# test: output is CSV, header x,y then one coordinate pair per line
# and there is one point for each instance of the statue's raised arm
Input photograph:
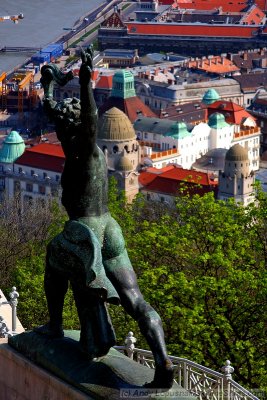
x,y
88,106
75,120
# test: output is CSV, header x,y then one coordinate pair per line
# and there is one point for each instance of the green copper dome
x,y
123,84
217,121
178,131
13,148
210,96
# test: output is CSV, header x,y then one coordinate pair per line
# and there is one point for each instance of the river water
x,y
44,21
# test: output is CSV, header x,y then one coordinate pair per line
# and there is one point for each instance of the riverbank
x,y
44,23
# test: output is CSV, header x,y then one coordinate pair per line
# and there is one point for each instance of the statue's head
x,y
68,112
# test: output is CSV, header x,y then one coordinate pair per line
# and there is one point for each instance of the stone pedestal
x,y
21,379
33,367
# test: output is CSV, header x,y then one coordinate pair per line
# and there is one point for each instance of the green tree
x,y
202,266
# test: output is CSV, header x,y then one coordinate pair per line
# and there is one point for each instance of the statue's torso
x,y
85,185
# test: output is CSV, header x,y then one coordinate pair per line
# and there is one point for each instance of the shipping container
x,y
40,58
55,49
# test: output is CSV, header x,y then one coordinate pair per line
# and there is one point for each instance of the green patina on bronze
x,y
110,377
90,253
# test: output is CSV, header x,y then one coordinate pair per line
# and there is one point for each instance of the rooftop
x,y
45,156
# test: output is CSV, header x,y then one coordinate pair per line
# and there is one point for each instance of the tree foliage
x,y
201,265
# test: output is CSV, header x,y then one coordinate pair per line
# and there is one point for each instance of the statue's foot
x,y
163,378
50,331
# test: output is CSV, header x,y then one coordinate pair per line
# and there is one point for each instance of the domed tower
x,y
13,148
117,139
237,179
210,96
123,84
218,127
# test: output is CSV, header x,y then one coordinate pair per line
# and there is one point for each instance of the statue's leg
x,y
97,334
121,274
56,286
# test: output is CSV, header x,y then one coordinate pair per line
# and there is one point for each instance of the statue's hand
x,y
86,67
46,80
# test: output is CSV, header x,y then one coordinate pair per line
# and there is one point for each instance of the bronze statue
x,y
90,253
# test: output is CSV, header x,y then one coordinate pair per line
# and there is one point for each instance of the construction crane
x,y
14,18
3,90
24,79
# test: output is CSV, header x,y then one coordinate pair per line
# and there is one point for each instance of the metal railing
x,y
203,382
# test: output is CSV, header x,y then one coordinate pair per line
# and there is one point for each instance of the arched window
x,y
115,149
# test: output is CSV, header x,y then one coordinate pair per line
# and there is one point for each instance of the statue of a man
x,y
90,252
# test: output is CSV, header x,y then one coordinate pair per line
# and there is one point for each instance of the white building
x,y
167,141
33,172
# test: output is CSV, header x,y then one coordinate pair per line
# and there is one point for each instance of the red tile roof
x,y
170,181
163,29
130,106
218,65
48,149
94,75
233,113
113,21
226,6
48,157
150,174
104,82
253,16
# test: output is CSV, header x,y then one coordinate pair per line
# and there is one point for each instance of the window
x,y
16,186
29,187
20,170
44,175
57,178
41,189
32,172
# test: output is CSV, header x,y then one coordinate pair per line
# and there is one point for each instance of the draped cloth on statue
x,y
76,255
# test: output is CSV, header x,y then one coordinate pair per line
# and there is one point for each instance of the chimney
x,y
210,59
245,56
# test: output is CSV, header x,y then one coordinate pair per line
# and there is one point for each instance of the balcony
x,y
247,132
164,154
